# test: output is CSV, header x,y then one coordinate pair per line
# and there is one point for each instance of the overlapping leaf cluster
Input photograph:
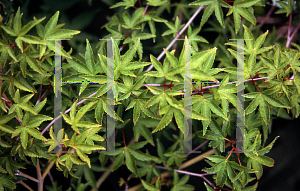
x,y
156,112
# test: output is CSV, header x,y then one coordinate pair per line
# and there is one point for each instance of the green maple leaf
x,y
286,7
206,105
242,8
128,88
131,154
252,48
74,119
213,5
20,31
195,37
29,57
225,169
124,65
5,51
256,158
16,81
5,181
138,106
274,66
173,28
169,106
292,60
126,3
180,184
53,31
156,3
226,92
175,157
146,168
262,100
164,71
23,131
22,104
215,134
202,63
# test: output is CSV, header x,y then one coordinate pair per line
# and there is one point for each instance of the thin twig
x,y
290,38
177,36
199,175
39,174
25,185
49,174
38,101
48,169
146,9
266,17
198,147
19,173
7,72
289,31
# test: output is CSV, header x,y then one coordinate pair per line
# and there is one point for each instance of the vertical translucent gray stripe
x,y
57,99
187,99
110,139
240,129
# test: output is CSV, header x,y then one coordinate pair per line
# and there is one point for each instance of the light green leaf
x,y
118,161
89,57
83,110
51,24
36,134
167,118
130,163
30,25
148,186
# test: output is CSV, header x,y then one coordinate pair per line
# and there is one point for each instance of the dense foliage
x,y
148,101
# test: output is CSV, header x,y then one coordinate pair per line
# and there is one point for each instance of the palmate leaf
x,y
24,131
168,106
173,29
74,120
53,31
213,5
274,66
180,184
149,187
21,104
121,64
164,71
252,48
263,101
202,63
286,7
174,157
126,3
224,169
206,106
20,31
241,8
